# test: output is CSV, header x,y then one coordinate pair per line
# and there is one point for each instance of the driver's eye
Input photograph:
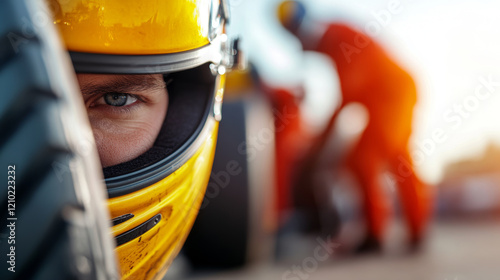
x,y
119,99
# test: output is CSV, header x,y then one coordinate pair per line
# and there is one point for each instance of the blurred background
x,y
307,180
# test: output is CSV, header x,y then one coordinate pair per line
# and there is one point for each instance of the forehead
x,y
93,83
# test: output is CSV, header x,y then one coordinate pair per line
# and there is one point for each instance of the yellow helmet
x,y
154,198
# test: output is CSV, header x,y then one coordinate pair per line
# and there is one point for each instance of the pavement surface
x,y
455,250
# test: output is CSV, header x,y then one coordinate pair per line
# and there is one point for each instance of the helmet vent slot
x,y
120,219
137,231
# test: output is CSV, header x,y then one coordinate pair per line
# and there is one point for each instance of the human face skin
x,y
125,112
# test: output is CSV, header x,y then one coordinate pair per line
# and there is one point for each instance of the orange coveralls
x,y
370,77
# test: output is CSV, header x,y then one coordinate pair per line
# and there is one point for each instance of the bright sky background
x,y
448,45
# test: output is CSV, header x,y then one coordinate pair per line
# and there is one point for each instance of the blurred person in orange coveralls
x,y
370,77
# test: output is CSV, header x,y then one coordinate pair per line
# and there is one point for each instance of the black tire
x,y
61,226
228,232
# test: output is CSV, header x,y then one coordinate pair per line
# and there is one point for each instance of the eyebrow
x,y
124,84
